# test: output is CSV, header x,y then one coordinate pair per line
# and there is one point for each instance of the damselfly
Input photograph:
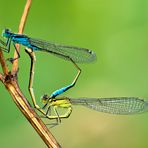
x,y
70,53
117,105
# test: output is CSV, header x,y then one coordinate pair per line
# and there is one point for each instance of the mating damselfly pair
x,y
117,105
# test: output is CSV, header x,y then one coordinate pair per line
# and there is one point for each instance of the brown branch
x,y
24,106
2,78
3,63
20,31
10,81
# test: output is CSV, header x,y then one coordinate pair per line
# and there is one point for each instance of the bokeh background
x,y
118,32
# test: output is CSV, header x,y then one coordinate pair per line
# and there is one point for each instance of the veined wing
x,y
78,55
123,105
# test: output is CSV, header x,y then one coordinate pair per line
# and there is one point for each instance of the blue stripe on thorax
x,y
23,40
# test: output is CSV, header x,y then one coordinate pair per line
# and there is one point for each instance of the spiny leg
x,y
6,45
56,117
59,117
6,48
48,112
63,89
58,120
67,114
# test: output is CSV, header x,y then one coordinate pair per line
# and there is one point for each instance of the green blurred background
x,y
117,32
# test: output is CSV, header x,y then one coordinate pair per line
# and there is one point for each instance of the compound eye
x,y
6,30
45,98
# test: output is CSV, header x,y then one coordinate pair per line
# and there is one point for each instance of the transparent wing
x,y
123,105
78,55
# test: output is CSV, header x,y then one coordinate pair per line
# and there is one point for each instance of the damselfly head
x,y
45,98
6,33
